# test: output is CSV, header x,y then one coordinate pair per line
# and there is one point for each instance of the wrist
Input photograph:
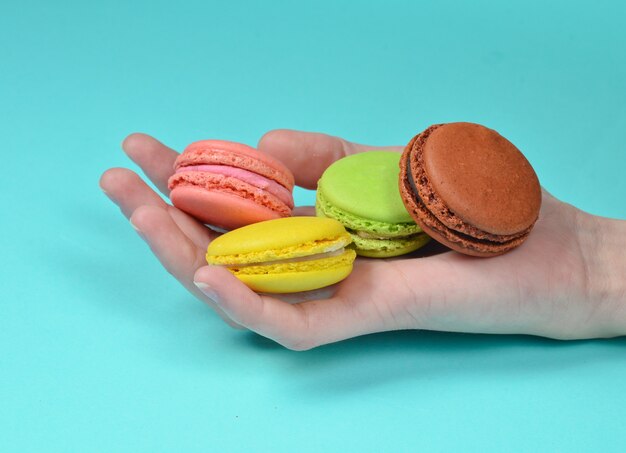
x,y
605,243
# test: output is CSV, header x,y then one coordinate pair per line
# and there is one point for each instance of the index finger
x,y
155,159
308,154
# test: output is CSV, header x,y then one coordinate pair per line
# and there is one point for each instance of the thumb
x,y
308,154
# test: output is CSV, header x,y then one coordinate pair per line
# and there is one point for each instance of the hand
x,y
566,281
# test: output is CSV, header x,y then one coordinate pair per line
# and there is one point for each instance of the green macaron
x,y
361,191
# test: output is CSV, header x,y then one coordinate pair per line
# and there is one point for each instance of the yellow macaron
x,y
285,255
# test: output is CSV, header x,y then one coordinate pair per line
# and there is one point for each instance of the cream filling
x,y
317,256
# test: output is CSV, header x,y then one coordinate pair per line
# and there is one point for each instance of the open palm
x,y
541,288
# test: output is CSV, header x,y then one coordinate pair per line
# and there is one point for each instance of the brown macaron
x,y
469,188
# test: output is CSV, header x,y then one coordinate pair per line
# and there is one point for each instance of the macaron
x,y
229,185
469,188
361,192
285,255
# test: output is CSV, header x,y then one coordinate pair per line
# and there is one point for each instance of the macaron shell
x,y
324,208
436,230
365,185
482,178
295,281
220,209
237,155
280,239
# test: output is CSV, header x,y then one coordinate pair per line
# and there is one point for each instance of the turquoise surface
x,y
101,350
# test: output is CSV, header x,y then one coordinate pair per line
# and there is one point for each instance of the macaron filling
x,y
305,249
293,267
254,179
300,259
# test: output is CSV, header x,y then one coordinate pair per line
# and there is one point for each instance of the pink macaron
x,y
229,185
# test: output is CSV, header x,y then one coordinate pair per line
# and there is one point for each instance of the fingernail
x,y
137,229
134,226
107,194
208,291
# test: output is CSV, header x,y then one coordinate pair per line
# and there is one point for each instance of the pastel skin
x,y
229,185
469,188
285,255
361,192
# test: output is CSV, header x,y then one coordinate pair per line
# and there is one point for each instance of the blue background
x,y
101,350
